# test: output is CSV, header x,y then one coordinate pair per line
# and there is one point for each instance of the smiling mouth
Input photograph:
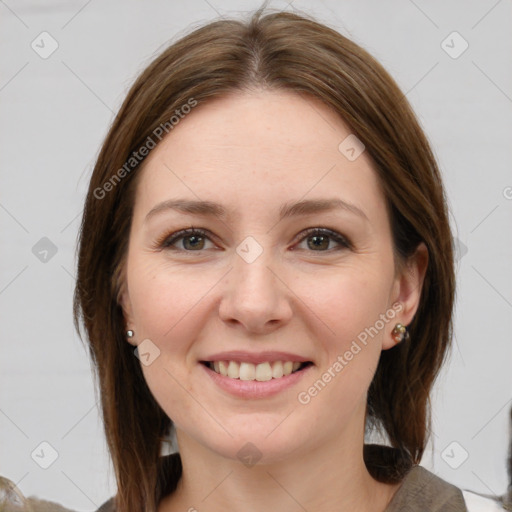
x,y
259,372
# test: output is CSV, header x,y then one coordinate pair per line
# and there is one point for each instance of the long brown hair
x,y
273,51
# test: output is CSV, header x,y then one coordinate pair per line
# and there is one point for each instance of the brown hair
x,y
273,51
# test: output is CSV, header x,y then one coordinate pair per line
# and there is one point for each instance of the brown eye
x,y
192,240
319,242
319,239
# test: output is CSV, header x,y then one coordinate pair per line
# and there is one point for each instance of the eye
x,y
193,239
321,237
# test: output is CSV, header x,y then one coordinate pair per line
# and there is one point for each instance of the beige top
x,y
424,491
421,491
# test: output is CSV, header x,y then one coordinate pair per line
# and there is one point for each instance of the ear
x,y
406,291
126,305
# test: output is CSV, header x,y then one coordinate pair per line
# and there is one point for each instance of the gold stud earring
x,y
400,333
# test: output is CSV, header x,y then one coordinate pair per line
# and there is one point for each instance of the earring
x,y
129,334
400,333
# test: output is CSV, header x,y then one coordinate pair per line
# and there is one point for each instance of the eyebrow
x,y
304,207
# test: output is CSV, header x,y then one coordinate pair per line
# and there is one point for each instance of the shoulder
x,y
420,490
108,506
423,490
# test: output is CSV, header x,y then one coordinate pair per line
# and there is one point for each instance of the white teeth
x,y
223,368
263,372
260,372
277,370
247,371
233,370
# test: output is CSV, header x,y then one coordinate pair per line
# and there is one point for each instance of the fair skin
x,y
306,296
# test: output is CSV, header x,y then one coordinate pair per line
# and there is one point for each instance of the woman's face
x,y
293,264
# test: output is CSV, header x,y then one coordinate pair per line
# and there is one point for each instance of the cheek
x,y
164,299
347,301
167,306
349,304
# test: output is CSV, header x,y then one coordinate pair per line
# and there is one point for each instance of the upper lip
x,y
255,357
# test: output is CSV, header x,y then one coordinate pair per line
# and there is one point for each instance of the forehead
x,y
265,146
276,122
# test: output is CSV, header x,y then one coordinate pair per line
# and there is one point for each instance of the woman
x,y
266,270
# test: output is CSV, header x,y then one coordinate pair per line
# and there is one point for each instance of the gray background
x,y
55,113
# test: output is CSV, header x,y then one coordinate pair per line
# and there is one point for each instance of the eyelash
x,y
168,240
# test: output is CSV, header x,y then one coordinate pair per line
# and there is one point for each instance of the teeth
x,y
233,370
263,372
247,371
277,370
260,372
223,368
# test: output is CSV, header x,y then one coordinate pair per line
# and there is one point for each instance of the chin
x,y
257,443
259,451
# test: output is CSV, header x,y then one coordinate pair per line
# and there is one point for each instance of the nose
x,y
255,296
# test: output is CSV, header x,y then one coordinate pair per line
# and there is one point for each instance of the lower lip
x,y
254,388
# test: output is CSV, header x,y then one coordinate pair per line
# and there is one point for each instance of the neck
x,y
328,477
